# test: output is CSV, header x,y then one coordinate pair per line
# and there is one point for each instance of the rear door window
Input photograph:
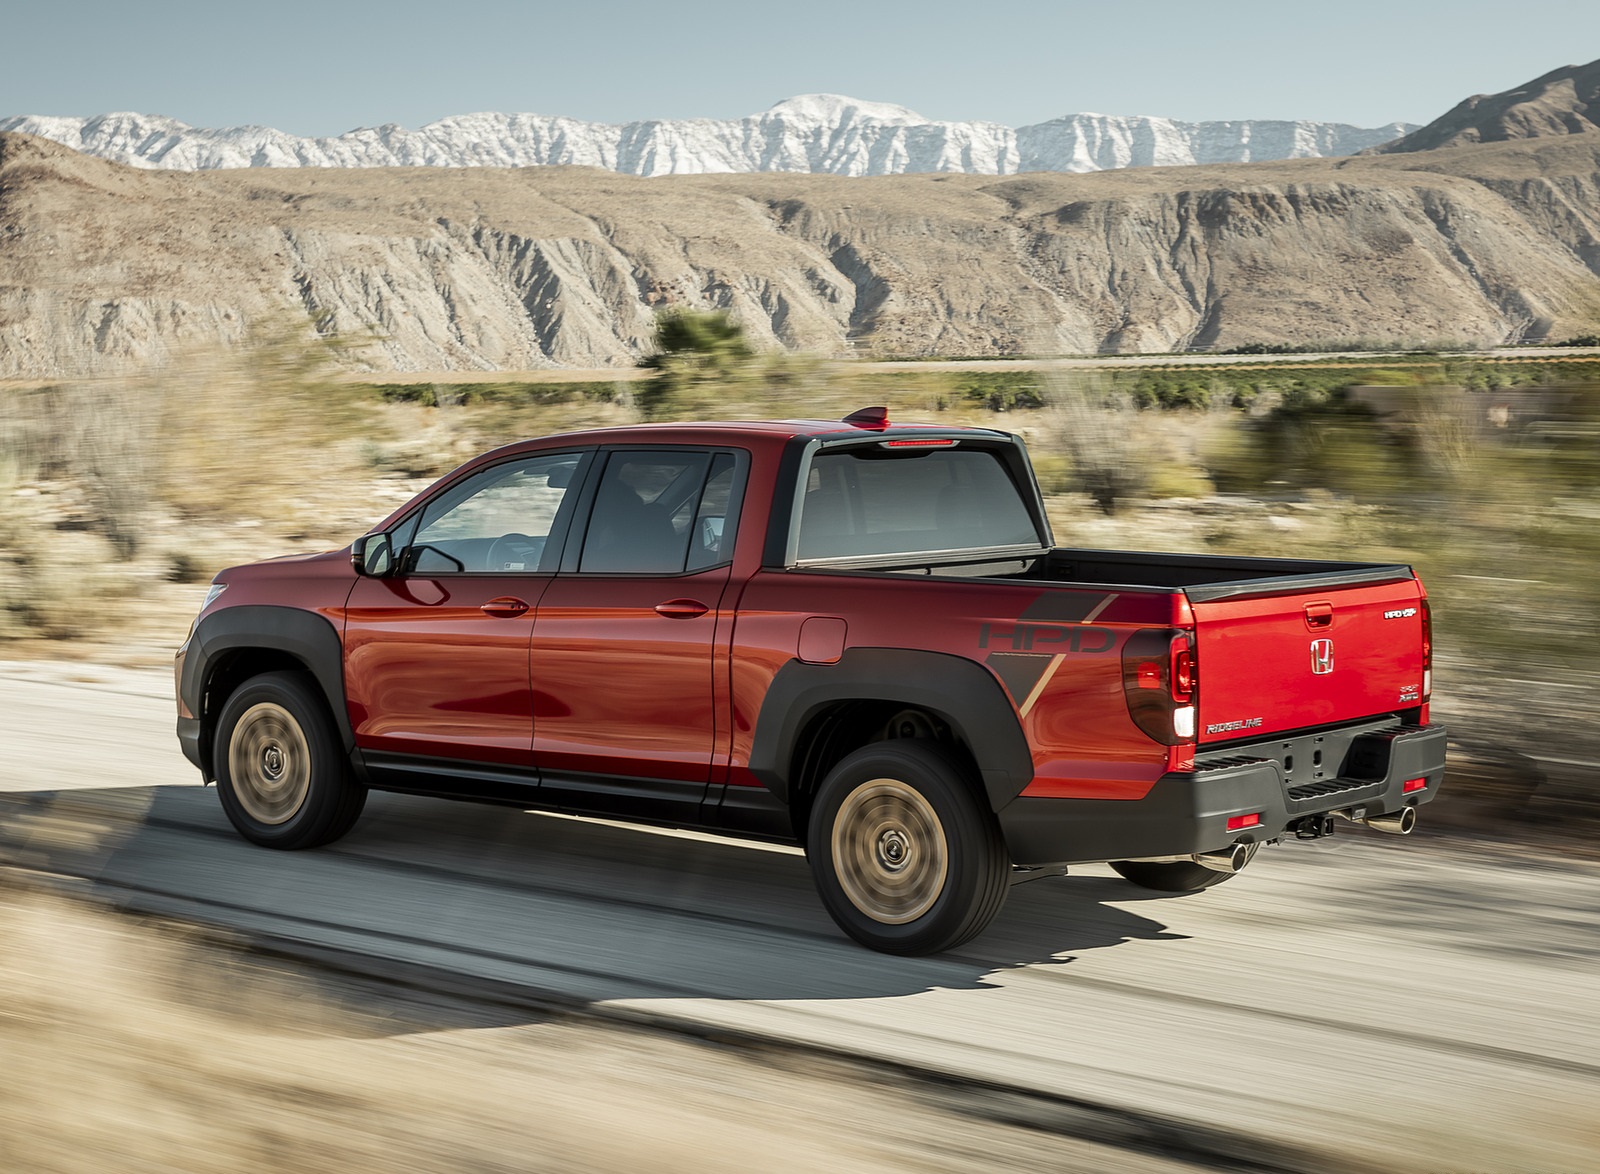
x,y
646,514
711,542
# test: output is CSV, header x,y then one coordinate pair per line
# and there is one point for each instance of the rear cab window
x,y
867,501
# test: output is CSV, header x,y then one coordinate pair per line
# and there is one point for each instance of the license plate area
x,y
1321,765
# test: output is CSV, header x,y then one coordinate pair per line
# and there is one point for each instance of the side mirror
x,y
372,555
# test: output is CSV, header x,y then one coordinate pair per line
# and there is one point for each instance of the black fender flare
x,y
960,691
306,636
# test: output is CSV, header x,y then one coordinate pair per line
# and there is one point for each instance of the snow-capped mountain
x,y
822,133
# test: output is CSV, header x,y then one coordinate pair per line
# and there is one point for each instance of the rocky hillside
x,y
817,133
1565,101
103,266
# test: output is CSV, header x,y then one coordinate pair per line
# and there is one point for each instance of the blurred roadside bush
x,y
1495,495
1107,446
94,472
706,369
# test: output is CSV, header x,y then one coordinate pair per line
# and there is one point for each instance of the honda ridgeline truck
x,y
856,636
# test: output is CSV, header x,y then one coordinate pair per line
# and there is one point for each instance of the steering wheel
x,y
515,552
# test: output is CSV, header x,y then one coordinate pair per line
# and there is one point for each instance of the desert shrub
x,y
1000,391
50,575
514,393
1053,470
1098,431
85,467
1264,348
698,356
243,430
101,436
706,369
183,566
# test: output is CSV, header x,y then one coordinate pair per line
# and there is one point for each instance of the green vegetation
x,y
1352,346
1254,387
536,395
700,356
999,391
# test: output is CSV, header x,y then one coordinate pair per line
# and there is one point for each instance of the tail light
x,y
1159,681
1427,649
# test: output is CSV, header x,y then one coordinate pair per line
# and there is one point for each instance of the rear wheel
x,y
281,773
906,857
1174,876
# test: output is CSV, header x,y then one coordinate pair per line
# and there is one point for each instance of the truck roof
x,y
770,434
722,431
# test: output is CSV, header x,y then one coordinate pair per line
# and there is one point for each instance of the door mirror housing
x,y
372,555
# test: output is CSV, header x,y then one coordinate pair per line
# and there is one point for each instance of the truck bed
x,y
1208,577
1280,645
1200,577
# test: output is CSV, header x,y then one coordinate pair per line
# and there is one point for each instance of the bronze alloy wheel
x,y
282,773
890,851
907,856
269,762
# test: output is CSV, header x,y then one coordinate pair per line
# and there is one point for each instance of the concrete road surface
x,y
1413,1004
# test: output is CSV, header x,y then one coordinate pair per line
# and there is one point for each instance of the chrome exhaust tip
x,y
1229,860
1396,823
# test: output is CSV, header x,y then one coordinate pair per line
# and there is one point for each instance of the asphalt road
x,y
1412,1004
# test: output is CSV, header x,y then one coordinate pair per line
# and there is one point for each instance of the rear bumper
x,y
1188,812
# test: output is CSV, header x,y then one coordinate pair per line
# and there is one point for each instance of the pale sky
x,y
325,67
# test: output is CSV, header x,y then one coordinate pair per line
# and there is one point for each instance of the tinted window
x,y
645,513
711,542
498,520
867,501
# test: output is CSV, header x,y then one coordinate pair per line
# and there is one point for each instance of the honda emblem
x,y
1322,657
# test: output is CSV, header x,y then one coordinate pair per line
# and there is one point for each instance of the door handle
x,y
681,609
507,605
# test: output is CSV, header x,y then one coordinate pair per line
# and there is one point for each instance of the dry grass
x,y
110,487
129,1051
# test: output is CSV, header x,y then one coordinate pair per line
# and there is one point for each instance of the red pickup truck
x,y
852,635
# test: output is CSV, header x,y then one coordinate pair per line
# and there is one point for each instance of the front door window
x,y
498,521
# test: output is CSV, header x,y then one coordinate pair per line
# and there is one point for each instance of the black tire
x,y
906,856
1174,876
282,775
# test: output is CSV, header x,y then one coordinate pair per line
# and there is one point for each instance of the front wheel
x,y
906,857
281,773
1174,876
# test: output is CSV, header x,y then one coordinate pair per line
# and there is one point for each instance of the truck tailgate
x,y
1287,662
